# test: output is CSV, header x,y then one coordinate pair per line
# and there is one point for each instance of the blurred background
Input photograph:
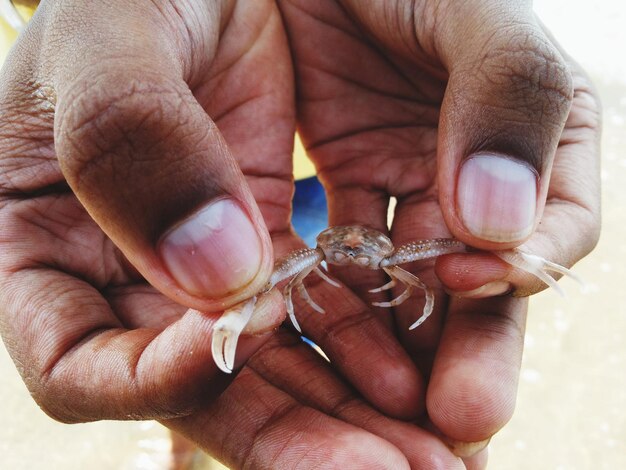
x,y
571,407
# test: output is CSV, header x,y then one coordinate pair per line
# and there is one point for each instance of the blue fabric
x,y
310,214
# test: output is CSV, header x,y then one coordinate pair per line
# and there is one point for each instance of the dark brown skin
x,y
119,123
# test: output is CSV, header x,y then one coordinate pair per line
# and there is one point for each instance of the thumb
x,y
153,171
507,100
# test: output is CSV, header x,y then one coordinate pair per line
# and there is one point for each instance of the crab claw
x,y
226,334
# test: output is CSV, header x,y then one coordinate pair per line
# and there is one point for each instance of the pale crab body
x,y
366,248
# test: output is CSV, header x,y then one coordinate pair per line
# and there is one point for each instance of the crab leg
x,y
297,282
423,249
305,295
323,275
537,266
294,263
387,286
226,333
307,298
532,264
410,281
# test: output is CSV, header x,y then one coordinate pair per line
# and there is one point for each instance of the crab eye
x,y
339,256
362,260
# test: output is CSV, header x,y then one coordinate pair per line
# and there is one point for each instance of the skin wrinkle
x,y
276,414
358,83
419,19
26,174
530,68
235,106
335,391
315,145
493,329
267,428
110,107
125,369
358,37
109,273
58,361
399,19
333,332
219,69
52,372
326,21
391,91
186,40
329,170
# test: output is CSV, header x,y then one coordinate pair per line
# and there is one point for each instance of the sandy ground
x,y
571,409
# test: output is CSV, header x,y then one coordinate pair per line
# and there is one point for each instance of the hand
x,y
115,179
133,135
473,118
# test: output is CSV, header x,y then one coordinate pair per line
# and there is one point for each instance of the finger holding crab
x,y
346,329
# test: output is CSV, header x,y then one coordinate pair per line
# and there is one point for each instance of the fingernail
x,y
491,289
497,197
214,252
466,449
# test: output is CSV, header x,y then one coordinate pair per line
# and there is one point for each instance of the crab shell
x,y
354,245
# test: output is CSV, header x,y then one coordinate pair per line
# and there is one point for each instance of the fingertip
x,y
469,408
473,275
401,393
269,313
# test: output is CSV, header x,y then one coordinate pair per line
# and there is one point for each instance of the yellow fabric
x,y
7,38
8,34
302,166
25,10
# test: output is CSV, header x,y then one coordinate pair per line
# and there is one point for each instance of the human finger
x,y
37,97
295,367
570,224
266,419
508,97
473,385
145,159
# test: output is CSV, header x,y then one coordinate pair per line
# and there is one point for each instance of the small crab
x,y
367,248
